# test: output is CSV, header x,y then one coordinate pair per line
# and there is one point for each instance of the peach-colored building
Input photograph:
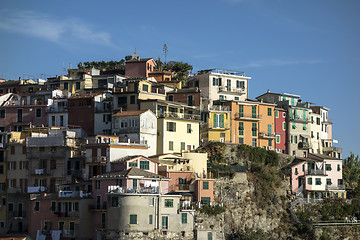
x,y
139,67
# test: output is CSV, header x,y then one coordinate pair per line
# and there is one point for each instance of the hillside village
x,y
137,151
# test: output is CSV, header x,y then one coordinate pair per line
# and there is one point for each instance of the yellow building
x,y
128,96
217,124
177,125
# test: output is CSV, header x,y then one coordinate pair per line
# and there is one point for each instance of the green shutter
x,y
215,120
304,115
295,114
269,129
276,113
222,120
253,111
241,110
167,126
183,218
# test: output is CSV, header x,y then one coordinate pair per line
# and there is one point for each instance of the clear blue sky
x,y
310,48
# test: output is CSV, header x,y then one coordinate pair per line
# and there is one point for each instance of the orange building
x,y
252,123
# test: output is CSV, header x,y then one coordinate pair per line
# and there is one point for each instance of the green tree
x,y
351,170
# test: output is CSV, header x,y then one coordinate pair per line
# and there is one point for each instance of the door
x,y
164,222
135,184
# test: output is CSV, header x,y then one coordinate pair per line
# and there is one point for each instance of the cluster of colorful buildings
x,y
105,153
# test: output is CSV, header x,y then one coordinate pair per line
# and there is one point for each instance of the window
x,y
61,225
254,142
240,84
77,85
66,86
241,110
284,114
171,126
133,219
171,145
269,111
72,226
133,164
132,99
293,125
188,126
190,100
216,82
10,207
1,169
276,113
277,138
254,130
182,146
53,206
12,150
317,181
309,181
37,206
2,113
144,165
328,167
183,218
241,128
150,219
171,98
218,120
241,140
328,181
1,156
145,87
206,185
253,111
169,203
296,171
209,236
97,184
19,115
151,201
61,120
296,139
114,201
205,200
338,167
270,143
304,126
103,220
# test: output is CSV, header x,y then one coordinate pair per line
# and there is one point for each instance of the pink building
x,y
280,130
317,177
139,68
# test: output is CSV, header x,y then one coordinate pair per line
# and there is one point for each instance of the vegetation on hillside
x,y
110,65
351,175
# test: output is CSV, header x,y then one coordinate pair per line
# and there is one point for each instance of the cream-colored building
x,y
220,84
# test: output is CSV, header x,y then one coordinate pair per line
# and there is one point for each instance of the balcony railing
x,y
245,116
157,90
36,189
316,172
267,135
73,214
304,145
178,115
140,190
232,90
73,194
328,121
69,234
302,119
56,109
219,108
97,159
332,149
334,187
40,171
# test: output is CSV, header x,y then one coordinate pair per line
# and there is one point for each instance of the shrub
x,y
212,210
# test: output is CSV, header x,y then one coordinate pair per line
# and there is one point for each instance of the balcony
x,y
69,234
40,171
251,117
73,214
267,135
56,109
74,194
332,149
316,172
304,145
96,159
327,121
300,119
36,189
232,90
178,115
141,190
333,187
206,126
157,90
219,108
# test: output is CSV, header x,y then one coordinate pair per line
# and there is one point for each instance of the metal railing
x,y
334,187
141,190
179,115
250,116
316,171
266,135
